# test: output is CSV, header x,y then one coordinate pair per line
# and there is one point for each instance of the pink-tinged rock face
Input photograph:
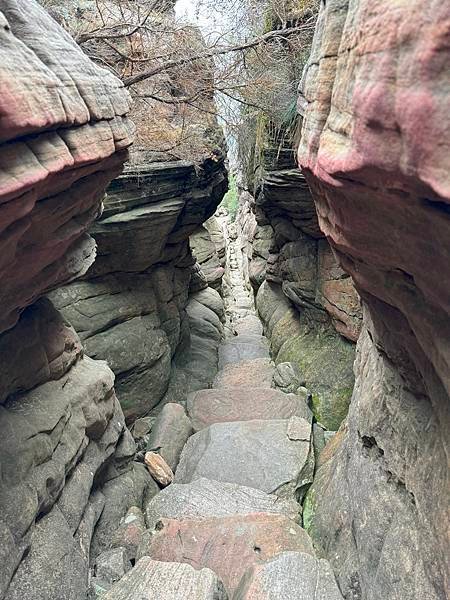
x,y
375,151
379,165
226,545
63,137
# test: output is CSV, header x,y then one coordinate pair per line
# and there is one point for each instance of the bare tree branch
x,y
267,37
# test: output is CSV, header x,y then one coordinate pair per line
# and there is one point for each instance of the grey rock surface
x,y
131,308
170,433
198,358
288,377
257,372
236,350
209,498
289,576
257,454
153,580
206,407
128,534
111,565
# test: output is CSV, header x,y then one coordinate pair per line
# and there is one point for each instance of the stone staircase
x,y
229,526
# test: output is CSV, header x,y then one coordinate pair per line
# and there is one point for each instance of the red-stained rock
x,y
375,151
63,137
250,373
206,407
226,545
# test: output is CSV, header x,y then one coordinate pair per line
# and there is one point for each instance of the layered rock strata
x,y
131,308
65,453
375,153
208,247
308,305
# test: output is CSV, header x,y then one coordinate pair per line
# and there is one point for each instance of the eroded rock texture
x,y
74,117
208,246
65,477
375,151
308,304
130,309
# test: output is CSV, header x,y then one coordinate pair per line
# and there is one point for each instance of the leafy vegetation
x,y
231,200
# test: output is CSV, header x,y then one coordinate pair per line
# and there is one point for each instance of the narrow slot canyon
x,y
225,324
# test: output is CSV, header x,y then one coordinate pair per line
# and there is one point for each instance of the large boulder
x,y
256,372
153,580
283,463
206,407
291,576
243,347
170,433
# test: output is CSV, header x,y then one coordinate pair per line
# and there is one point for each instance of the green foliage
x,y
230,200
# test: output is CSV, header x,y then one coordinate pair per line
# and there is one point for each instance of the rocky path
x,y
229,525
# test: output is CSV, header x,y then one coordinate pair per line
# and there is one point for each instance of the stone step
x,y
206,407
250,324
235,350
289,576
273,456
229,546
153,580
258,372
208,498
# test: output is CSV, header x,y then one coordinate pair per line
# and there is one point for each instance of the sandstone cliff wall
x,y
375,153
130,308
66,476
308,304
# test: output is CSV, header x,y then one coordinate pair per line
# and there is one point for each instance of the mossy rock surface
x,y
326,362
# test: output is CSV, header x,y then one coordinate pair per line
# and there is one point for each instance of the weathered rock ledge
x,y
66,474
130,308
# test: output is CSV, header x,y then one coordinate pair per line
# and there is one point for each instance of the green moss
x,y
231,200
309,508
326,362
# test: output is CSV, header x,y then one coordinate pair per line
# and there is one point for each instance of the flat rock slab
x,y
250,324
208,498
206,407
234,350
259,454
289,576
229,546
258,372
153,580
